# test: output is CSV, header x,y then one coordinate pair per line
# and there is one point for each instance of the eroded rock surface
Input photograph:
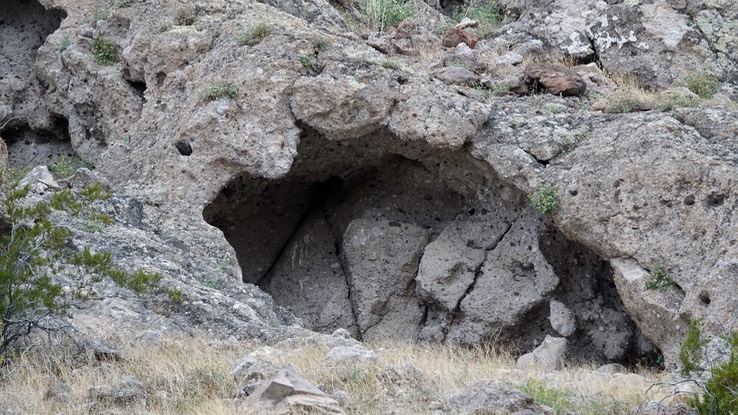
x,y
364,193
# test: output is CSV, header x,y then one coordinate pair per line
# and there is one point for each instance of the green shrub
x,y
545,199
216,32
28,297
254,34
94,192
659,279
702,84
104,52
219,90
690,353
122,4
621,104
720,390
670,100
488,13
381,14
214,284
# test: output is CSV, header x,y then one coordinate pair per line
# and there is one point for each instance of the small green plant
x,y
216,32
64,44
388,63
557,399
308,61
164,26
104,52
702,84
64,200
690,353
95,192
175,296
254,35
554,108
659,279
670,100
142,281
545,199
65,166
214,284
122,4
100,15
185,17
488,13
381,14
320,43
218,91
622,104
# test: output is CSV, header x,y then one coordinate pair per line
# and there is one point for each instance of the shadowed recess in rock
x,y
24,27
396,240
31,147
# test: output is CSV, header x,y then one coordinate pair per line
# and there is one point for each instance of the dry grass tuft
x,y
193,376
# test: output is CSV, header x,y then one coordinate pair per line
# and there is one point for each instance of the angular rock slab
x,y
381,259
449,263
513,280
286,393
308,279
556,80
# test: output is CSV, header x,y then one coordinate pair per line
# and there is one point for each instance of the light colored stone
x,y
548,356
562,319
286,392
349,355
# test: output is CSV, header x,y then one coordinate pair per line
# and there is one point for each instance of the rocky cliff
x,y
362,182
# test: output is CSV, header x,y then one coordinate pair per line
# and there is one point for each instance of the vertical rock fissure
x,y
344,269
477,273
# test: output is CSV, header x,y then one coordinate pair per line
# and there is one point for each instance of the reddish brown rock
x,y
555,80
454,37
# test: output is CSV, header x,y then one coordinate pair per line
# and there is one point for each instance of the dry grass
x,y
193,376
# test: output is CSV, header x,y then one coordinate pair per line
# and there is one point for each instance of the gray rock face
x,y
440,171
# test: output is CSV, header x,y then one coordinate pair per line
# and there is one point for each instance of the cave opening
x,y
395,240
29,147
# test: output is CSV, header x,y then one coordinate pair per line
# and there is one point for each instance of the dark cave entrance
x,y
395,240
31,147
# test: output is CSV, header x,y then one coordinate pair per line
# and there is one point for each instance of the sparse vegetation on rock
x,y
218,91
381,14
545,199
104,52
659,279
254,34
